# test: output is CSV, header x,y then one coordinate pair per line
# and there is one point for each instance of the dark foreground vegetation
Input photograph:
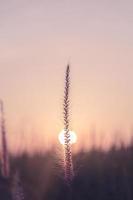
x,y
98,176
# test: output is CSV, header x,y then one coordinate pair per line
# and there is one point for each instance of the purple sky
x,y
38,39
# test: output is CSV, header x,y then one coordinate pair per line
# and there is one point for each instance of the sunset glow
x,y
73,137
66,99
37,41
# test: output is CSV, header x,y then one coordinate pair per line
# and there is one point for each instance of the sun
x,y
73,137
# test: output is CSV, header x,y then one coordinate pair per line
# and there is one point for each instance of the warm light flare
x,y
73,137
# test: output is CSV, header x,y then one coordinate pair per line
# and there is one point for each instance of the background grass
x,y
99,175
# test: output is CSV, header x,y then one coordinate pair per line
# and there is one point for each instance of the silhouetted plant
x,y
68,165
5,159
17,189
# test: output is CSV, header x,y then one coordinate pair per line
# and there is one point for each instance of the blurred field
x,y
99,175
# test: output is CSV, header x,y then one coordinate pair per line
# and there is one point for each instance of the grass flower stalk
x,y
17,189
5,157
68,165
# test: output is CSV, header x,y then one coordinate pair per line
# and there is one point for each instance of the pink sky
x,y
37,39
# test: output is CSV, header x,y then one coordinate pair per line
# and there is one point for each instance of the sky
x,y
37,40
